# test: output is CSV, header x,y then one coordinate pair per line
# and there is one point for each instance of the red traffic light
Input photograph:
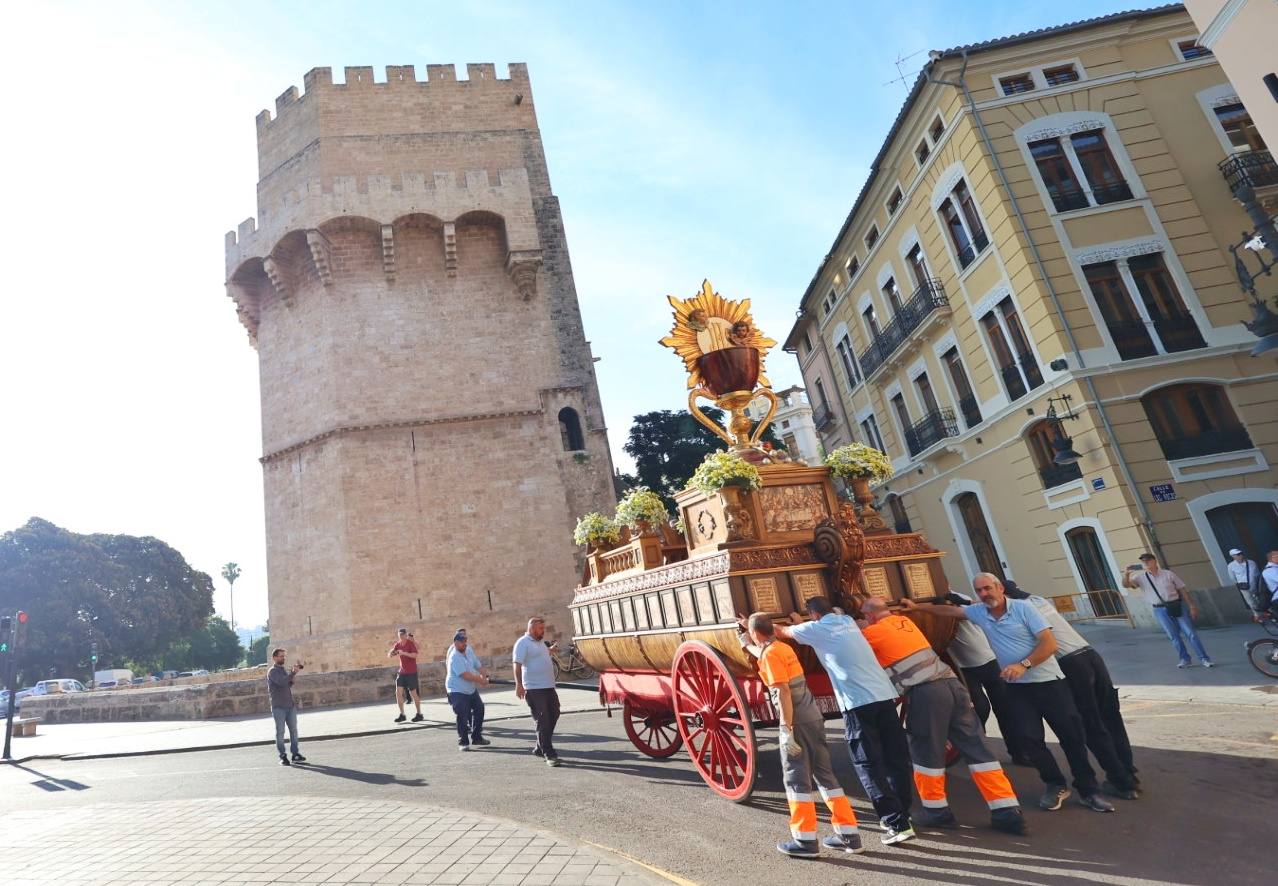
x,y
23,618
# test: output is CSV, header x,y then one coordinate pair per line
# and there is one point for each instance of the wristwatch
x,y
1026,663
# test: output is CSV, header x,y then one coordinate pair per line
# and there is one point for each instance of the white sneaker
x,y
1207,663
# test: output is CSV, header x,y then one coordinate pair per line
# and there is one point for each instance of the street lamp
x,y
1062,443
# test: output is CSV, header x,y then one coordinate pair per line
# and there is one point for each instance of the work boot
x,y
936,818
799,849
1009,820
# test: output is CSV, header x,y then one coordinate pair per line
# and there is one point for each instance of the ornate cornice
x,y
1116,253
715,565
1066,129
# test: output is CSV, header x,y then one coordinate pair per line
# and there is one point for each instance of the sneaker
x,y
284,760
463,747
418,718
298,758
552,761
799,849
482,742
1009,820
936,818
844,843
892,836
1114,790
537,752
1207,663
1183,664
1096,804
1053,797
400,719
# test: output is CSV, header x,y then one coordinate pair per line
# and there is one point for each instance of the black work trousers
x,y
989,691
1031,704
544,704
1097,703
880,755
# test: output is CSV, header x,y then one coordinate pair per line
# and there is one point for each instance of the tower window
x,y
570,430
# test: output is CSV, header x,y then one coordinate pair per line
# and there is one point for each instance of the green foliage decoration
x,y
720,469
641,504
858,460
596,529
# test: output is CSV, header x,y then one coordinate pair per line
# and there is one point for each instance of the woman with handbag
x,y
1175,611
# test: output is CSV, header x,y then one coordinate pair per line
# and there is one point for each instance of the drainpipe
x,y
1146,522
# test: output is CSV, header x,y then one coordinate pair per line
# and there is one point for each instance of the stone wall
x,y
235,694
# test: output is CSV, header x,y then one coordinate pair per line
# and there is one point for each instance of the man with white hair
x,y
1023,642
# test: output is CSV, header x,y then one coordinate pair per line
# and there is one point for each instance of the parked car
x,y
23,693
147,678
168,675
49,687
198,672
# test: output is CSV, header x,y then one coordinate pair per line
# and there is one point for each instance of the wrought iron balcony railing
x,y
968,253
929,297
1179,333
822,416
971,411
1066,199
1112,193
930,430
1132,339
1249,170
1206,443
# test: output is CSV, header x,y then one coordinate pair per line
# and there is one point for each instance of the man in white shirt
x,y
1173,608
1270,576
1246,576
535,684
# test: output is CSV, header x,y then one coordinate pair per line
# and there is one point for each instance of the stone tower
x,y
431,423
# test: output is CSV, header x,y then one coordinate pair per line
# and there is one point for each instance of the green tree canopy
x,y
132,596
258,650
667,447
213,647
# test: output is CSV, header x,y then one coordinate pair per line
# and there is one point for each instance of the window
x,y
1239,128
1057,174
821,416
1098,165
1190,49
936,129
1158,323
1042,439
870,428
922,152
1016,83
900,520
918,265
871,323
1060,75
828,304
967,403
926,395
979,538
806,342
958,211
844,348
570,430
1093,568
892,296
1194,419
902,417
854,265
894,201
872,237
1011,348
1064,164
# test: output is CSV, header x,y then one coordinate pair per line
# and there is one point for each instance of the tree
x,y
258,651
213,647
136,595
667,447
230,572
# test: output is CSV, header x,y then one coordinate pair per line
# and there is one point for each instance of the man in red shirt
x,y
406,677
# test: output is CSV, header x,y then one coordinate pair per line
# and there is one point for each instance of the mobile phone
x,y
300,665
1136,567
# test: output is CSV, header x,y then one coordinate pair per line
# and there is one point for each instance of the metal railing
x,y
1206,443
822,415
930,430
1179,333
1066,199
1105,604
1113,193
1249,170
929,297
971,411
1054,475
1013,381
968,253
1132,339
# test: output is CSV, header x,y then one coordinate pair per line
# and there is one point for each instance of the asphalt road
x,y
1208,814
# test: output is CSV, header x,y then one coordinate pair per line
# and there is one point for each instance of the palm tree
x,y
230,572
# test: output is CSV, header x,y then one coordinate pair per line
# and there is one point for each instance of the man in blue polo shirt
x,y
1025,647
876,740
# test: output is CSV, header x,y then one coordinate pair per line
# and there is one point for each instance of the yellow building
x,y
1046,225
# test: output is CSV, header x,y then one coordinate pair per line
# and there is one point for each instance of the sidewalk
x,y
1143,665
88,740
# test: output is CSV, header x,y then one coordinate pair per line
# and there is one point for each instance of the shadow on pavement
x,y
49,783
378,778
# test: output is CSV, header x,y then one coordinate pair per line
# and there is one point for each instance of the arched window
x,y
570,430
900,519
1040,438
1194,419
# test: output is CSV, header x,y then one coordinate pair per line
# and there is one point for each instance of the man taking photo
x,y
279,683
406,677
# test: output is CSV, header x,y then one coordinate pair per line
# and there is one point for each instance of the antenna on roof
x,y
900,70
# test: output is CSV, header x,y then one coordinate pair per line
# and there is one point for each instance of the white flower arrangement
x,y
858,460
641,505
720,469
596,529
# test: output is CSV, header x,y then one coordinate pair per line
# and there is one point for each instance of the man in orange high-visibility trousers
x,y
939,710
804,756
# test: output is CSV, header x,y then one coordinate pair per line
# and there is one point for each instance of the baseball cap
x,y
460,635
1233,552
403,630
1146,556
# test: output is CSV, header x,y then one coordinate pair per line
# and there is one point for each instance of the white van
x,y
50,687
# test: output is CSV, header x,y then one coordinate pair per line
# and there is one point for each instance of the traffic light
x,y
93,652
6,633
20,630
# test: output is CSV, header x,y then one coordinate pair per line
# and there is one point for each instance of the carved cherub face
x,y
847,512
698,320
740,333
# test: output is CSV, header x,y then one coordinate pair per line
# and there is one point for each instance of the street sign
x,y
1098,484
1163,492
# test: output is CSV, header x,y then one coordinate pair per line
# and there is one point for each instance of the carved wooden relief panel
x,y
792,508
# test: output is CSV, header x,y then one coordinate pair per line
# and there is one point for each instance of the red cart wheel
x,y
655,734
714,721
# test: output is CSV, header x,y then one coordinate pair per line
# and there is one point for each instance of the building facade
x,y
1241,34
408,246
792,423
1032,308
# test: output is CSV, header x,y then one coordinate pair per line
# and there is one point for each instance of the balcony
x,y
1065,199
1249,171
1013,381
1131,337
968,253
1179,333
930,430
971,411
1112,193
822,416
925,302
1058,475
1206,443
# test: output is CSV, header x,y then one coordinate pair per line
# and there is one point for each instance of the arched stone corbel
x,y
522,267
388,251
275,274
320,255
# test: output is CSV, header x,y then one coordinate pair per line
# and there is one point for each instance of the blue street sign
x,y
1163,492
1098,483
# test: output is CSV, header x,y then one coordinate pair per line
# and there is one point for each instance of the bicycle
x,y
1263,651
570,662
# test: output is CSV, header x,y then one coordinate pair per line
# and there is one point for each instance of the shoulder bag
x,y
1173,607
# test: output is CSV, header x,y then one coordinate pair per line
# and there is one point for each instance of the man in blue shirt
x,y
876,740
1025,647
465,676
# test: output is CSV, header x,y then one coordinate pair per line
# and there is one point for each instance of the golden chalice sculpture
x,y
723,352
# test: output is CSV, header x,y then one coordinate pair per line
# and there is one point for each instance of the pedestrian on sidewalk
x,y
804,756
279,685
972,653
876,740
1173,606
1023,642
1270,578
1246,575
535,684
938,710
1094,696
406,680
465,674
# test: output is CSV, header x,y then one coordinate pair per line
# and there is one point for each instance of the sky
x,y
685,141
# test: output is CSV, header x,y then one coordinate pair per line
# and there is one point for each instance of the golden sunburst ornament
x,y
708,322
